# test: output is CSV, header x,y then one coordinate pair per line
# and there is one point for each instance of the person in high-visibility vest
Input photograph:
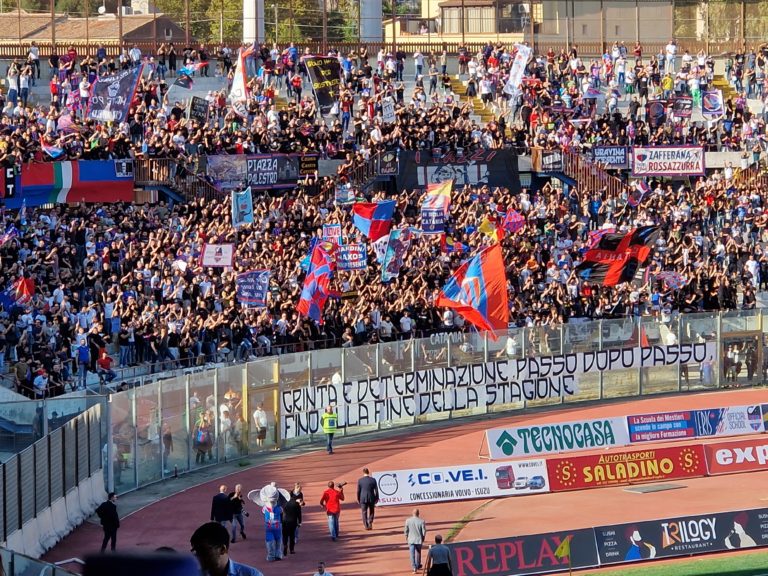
x,y
328,421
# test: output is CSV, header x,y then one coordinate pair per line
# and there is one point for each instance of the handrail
x,y
165,172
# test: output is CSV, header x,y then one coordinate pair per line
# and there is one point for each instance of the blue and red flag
x,y
317,284
514,221
637,195
478,291
374,219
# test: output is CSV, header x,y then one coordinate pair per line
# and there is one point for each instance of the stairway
x,y
720,83
460,90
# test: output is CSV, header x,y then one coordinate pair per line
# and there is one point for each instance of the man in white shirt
x,y
406,324
135,55
671,52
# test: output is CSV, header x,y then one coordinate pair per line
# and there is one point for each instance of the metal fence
x,y
155,427
49,471
15,564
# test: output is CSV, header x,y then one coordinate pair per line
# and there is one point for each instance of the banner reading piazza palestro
x,y
622,468
412,394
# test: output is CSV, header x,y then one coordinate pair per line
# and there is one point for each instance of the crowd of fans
x,y
127,277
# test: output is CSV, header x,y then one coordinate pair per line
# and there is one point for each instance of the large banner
x,y
737,456
728,421
325,76
523,54
111,96
515,555
217,255
682,107
614,157
536,439
252,288
97,181
419,169
260,172
682,536
474,386
442,484
671,161
622,468
432,220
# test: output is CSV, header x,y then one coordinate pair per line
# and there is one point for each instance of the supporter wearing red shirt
x,y
331,501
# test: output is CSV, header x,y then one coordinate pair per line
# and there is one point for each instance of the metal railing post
x,y
110,447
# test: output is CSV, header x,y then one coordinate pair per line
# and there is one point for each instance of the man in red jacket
x,y
331,501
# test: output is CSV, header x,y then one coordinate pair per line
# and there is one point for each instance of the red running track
x,y
170,521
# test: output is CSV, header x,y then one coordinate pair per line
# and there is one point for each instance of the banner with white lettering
x,y
537,439
388,110
668,161
443,484
523,54
332,233
352,257
111,96
435,390
730,421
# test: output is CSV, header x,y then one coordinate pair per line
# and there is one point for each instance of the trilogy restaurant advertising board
x,y
445,484
623,468
671,537
670,161
517,555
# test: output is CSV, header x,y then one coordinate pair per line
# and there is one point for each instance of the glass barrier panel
x,y
588,386
263,372
430,353
175,434
467,348
202,417
148,432
294,369
621,383
393,359
580,336
659,380
263,422
62,409
359,363
741,320
17,423
325,363
231,411
618,333
124,441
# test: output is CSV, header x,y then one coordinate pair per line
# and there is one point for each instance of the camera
x,y
341,484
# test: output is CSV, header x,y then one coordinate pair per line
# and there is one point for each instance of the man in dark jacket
x,y
291,521
367,497
221,510
110,522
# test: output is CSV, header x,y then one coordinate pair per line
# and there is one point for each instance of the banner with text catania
x,y
517,441
437,484
408,395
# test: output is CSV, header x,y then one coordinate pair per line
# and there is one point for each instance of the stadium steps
x,y
485,116
720,83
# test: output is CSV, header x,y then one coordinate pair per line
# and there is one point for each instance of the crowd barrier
x,y
152,428
16,564
613,544
54,485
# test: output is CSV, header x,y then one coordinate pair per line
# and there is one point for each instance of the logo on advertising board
x,y
662,426
681,536
517,555
737,456
462,482
730,421
558,437
623,468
